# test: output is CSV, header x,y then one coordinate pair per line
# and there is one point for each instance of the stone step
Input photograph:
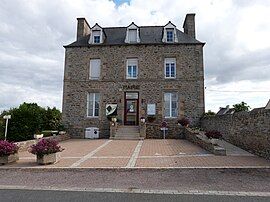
x,y
127,133
126,138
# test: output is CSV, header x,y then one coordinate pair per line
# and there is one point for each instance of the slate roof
x,y
226,110
148,35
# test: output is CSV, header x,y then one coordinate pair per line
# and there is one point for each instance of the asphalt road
x,y
78,196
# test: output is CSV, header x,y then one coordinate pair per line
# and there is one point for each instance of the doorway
x,y
131,114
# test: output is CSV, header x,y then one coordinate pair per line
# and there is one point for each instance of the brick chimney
x,y
83,28
189,25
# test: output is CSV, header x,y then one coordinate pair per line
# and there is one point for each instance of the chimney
x,y
83,28
189,25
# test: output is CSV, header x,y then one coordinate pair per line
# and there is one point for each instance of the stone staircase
x,y
127,133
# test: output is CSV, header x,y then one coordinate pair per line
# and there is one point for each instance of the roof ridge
x,y
138,26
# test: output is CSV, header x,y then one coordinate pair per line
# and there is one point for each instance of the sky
x,y
236,54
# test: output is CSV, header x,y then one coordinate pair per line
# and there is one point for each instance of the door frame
x,y
125,108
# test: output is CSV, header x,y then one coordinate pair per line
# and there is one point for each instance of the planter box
x,y
9,159
48,159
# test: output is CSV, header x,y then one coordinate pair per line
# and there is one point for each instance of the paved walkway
x,y
81,153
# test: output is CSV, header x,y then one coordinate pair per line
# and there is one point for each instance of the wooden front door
x,y
131,108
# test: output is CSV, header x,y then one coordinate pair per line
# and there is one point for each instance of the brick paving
x,y
150,154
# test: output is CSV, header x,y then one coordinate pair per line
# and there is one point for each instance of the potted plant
x,y
46,150
213,136
8,152
183,122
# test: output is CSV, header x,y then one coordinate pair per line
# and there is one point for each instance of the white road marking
x,y
145,191
133,159
88,156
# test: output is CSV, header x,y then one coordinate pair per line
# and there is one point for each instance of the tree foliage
x,y
28,119
209,113
241,107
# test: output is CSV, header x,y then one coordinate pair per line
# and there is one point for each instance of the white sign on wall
x,y
151,109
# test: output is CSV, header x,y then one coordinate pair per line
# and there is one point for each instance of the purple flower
x,y
7,148
45,146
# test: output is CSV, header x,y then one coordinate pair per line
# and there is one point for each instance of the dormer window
x,y
169,33
97,35
132,34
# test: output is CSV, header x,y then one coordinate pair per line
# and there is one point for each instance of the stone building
x,y
132,74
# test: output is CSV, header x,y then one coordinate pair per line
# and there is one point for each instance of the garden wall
x,y
24,145
248,130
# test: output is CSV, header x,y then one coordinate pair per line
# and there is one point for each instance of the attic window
x,y
169,33
96,36
132,34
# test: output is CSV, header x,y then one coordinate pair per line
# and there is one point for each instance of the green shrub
x,y
28,119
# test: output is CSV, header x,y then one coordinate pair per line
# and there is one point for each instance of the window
x,y
94,72
132,69
170,67
169,33
93,104
96,39
132,35
96,35
171,105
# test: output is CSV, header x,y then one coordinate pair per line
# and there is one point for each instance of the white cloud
x,y
237,50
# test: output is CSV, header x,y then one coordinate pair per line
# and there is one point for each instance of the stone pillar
x,y
113,128
143,130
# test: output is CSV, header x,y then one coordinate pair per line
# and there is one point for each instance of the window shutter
x,y
132,35
94,69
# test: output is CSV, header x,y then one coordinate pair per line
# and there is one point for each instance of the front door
x,y
131,108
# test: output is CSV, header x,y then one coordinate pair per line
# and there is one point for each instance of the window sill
x,y
170,117
92,117
170,77
132,78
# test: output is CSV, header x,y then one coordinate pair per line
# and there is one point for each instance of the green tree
x,y
241,107
28,119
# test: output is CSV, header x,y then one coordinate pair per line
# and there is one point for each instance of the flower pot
x,y
38,136
9,158
48,159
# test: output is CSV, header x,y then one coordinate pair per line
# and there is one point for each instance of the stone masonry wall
x,y
248,130
150,84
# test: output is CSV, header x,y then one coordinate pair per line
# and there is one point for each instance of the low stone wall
x,y
247,130
197,137
174,131
24,145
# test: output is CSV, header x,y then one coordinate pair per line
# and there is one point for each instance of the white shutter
x,y
94,69
132,35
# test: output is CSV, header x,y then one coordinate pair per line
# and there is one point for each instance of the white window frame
x,y
169,30
92,115
90,69
132,62
170,106
94,39
170,61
